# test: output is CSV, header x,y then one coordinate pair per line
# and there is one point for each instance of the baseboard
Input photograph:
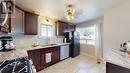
x,y
82,53
94,57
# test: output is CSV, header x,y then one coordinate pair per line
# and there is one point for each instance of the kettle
x,y
125,46
128,46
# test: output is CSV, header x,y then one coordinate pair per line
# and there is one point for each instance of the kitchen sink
x,y
48,45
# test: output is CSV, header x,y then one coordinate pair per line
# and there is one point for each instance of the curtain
x,y
98,43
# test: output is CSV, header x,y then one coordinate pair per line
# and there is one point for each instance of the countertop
x,y
115,56
46,46
22,52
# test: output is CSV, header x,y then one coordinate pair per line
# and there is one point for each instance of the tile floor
x,y
80,64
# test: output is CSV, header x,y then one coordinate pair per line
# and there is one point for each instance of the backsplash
x,y
22,41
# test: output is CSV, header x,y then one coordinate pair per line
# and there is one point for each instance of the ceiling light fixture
x,y
70,12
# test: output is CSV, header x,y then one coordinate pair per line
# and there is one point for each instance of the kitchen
x,y
41,49
40,43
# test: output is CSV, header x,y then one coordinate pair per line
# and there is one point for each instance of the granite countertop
x,y
115,56
46,46
22,52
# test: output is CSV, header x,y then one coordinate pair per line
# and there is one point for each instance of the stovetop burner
x,y
20,65
6,50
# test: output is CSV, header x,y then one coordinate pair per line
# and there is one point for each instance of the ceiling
x,y
85,9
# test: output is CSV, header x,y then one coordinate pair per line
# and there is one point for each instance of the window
x,y
87,35
46,30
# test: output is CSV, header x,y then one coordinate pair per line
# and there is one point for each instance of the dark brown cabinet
x,y
43,57
39,57
31,24
112,68
71,27
55,55
35,56
24,22
62,27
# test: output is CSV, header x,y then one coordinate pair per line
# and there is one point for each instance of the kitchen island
x,y
117,62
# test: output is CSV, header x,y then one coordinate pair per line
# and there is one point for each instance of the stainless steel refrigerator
x,y
74,39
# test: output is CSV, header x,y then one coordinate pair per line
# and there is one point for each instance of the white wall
x,y
86,48
116,28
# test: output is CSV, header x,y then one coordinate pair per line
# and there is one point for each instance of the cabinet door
x,y
56,55
71,27
31,24
17,23
59,29
35,56
112,68
62,27
47,56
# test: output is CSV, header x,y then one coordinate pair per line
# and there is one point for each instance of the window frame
x,y
41,26
87,40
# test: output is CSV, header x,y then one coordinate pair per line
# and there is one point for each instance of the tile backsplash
x,y
23,41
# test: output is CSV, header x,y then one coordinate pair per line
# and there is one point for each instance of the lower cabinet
x,y
112,68
45,57
56,55
35,56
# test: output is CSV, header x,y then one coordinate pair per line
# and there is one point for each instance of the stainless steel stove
x,y
20,65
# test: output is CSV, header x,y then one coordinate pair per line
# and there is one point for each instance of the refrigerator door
x,y
75,44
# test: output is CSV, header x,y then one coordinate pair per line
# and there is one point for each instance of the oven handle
x,y
6,15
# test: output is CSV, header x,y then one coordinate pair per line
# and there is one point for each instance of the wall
x,y
116,28
21,40
86,48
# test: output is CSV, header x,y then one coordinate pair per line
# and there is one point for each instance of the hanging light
x,y
70,12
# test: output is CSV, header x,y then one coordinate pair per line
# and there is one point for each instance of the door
x,y
50,56
55,55
46,57
76,43
35,56
64,52
17,23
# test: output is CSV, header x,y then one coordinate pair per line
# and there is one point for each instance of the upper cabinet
x,y
62,27
17,23
31,24
22,22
